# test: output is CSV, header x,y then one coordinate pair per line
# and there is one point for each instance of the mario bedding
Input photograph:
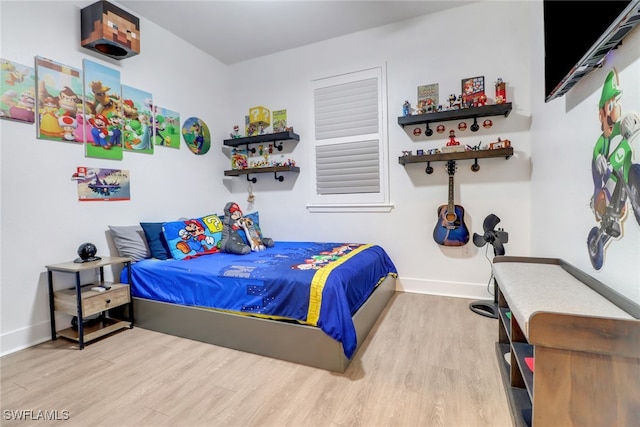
x,y
318,284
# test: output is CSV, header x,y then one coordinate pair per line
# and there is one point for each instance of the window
x,y
350,150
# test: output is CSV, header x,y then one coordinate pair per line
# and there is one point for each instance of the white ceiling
x,y
235,31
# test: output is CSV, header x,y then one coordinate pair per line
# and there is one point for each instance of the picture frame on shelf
x,y
473,92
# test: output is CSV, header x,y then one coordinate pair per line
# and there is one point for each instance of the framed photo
x,y
472,91
420,152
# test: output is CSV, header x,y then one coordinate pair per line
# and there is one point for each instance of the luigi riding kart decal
x,y
616,172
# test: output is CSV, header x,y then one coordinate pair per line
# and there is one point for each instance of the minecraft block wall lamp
x,y
109,30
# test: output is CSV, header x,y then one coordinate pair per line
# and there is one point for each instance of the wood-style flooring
x,y
429,361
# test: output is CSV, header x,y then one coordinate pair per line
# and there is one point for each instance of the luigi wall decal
x,y
616,178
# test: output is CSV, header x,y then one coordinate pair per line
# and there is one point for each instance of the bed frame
x,y
293,342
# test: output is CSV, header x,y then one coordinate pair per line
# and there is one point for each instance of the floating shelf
x,y
464,113
463,155
267,137
274,169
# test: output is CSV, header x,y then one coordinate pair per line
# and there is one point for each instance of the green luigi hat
x,y
610,88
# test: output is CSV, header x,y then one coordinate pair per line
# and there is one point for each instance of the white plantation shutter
x,y
346,110
352,167
350,144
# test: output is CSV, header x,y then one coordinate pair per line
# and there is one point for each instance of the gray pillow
x,y
130,241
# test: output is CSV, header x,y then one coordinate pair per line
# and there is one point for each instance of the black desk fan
x,y
497,239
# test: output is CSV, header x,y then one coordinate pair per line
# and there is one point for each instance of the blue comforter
x,y
319,284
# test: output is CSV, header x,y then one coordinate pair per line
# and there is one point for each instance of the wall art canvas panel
x,y
59,97
166,128
102,102
17,92
137,105
108,185
196,135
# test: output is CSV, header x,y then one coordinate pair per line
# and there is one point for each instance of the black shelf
x,y
269,169
463,113
462,155
267,137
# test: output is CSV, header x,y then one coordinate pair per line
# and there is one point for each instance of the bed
x,y
312,303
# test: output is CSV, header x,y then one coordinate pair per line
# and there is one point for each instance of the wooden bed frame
x,y
293,342
288,341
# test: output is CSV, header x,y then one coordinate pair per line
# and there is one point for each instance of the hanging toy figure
x,y
251,197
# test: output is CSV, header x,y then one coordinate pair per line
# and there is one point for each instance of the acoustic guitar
x,y
450,229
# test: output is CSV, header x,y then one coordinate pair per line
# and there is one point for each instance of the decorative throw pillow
x,y
155,239
255,218
194,237
130,241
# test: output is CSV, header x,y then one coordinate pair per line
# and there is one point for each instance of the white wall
x,y
44,224
42,221
564,133
419,51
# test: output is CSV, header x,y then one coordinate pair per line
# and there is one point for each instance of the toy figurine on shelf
x,y
482,100
452,139
501,92
406,109
236,132
500,143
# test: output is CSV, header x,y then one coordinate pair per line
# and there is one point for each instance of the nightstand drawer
x,y
92,301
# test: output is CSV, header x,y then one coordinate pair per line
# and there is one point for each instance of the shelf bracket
x,y
278,147
429,169
475,166
253,180
278,178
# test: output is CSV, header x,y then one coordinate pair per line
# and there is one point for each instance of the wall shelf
x,y
258,139
463,155
464,113
267,137
274,169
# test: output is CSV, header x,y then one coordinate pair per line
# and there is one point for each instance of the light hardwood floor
x,y
429,361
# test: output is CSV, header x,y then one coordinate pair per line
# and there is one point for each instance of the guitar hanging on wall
x,y
450,229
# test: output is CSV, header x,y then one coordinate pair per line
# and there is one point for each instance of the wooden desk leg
x,y
80,317
51,306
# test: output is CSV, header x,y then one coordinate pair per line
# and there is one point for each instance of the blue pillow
x,y
194,237
155,239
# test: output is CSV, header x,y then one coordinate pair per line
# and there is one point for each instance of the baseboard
x,y
447,289
27,337
20,339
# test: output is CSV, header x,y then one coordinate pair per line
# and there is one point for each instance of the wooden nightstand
x,y
81,301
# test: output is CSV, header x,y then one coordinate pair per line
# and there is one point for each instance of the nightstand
x,y
81,301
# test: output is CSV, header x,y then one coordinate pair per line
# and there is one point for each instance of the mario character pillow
x,y
195,237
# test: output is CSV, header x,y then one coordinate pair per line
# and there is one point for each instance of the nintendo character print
x,y
136,114
615,170
473,92
103,121
166,129
17,92
59,100
196,135
95,184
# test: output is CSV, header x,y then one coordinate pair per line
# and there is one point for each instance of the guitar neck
x,y
451,203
